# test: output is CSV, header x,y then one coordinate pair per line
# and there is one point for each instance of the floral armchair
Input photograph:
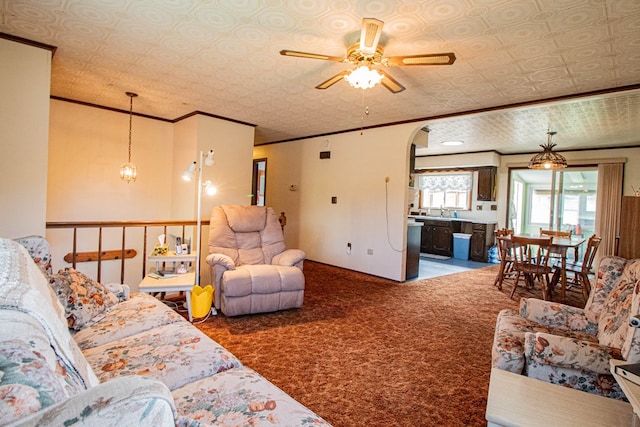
x,y
569,346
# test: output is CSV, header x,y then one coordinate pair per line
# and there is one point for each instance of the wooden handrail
x,y
100,225
96,224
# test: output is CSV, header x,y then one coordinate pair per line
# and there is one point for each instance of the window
x,y
563,199
451,190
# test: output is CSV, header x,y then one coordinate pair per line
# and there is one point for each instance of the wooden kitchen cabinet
x,y
487,184
481,241
442,242
629,244
413,250
437,236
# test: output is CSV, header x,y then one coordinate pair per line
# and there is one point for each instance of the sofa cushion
x,y
239,397
24,288
39,249
609,270
27,381
85,300
613,323
176,354
509,339
19,326
139,313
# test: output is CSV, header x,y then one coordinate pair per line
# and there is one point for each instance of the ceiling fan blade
x,y
333,80
370,35
426,59
310,55
390,83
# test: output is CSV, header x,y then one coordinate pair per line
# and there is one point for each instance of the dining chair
x,y
506,258
581,269
531,261
558,233
555,233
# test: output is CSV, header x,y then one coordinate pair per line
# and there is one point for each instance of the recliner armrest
x,y
132,400
289,257
222,260
565,352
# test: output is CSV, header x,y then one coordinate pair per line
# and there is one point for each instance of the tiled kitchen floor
x,y
431,267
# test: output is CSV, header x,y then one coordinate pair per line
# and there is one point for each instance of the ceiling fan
x,y
368,53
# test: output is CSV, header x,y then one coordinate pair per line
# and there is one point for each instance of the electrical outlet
x,y
369,251
334,200
349,248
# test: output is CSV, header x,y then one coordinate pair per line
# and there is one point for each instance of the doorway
x,y
259,182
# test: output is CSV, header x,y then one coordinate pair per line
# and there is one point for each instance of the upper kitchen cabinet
x,y
487,184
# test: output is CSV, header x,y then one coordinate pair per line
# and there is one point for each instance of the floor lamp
x,y
210,189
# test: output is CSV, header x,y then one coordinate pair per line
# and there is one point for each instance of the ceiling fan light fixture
x,y
548,159
363,77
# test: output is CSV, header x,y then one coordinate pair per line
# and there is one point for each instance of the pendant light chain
x,y
130,121
128,172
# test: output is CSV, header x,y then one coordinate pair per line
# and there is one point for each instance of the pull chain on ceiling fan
x,y
368,53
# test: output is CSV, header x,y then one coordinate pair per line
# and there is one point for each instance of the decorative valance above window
x,y
441,182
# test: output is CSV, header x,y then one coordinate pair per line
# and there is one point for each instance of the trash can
x,y
461,244
201,300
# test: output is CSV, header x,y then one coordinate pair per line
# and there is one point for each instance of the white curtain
x,y
609,205
441,181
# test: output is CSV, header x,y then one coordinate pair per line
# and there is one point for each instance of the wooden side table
x,y
630,389
517,400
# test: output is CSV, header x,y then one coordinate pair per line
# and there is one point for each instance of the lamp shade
x,y
548,159
209,188
128,172
208,161
363,77
190,173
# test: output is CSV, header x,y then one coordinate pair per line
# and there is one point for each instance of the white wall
x,y
355,174
88,145
24,123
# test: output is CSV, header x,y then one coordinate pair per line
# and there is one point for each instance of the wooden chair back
x,y
504,232
504,248
590,253
556,233
531,254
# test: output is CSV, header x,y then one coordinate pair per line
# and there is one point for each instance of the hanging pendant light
x,y
128,170
548,159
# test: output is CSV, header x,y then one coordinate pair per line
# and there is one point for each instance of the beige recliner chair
x,y
252,269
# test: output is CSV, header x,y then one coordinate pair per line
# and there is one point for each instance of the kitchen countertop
x,y
440,218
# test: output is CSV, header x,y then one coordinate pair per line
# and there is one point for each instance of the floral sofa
x,y
572,347
102,358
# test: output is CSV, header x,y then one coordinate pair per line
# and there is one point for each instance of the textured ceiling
x,y
222,57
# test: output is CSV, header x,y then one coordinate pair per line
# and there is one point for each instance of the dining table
x,y
559,246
